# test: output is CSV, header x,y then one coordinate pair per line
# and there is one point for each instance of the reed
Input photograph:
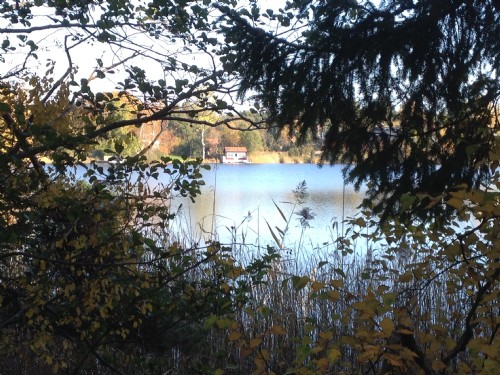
x,y
294,305
275,157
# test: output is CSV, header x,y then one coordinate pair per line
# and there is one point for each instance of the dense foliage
x,y
408,91
94,279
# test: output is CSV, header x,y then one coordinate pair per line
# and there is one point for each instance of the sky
x,y
85,56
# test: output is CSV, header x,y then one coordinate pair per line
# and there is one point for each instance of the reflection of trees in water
x,y
330,203
231,213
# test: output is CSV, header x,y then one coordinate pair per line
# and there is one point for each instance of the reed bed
x,y
275,157
294,307
303,304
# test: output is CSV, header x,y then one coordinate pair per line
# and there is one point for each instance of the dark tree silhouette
x,y
408,90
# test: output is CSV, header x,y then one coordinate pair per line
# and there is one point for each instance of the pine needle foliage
x,y
406,92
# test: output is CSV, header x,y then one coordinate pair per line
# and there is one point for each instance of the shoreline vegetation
x,y
258,157
98,278
276,157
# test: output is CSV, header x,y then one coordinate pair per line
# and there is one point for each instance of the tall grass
x,y
291,304
275,157
299,312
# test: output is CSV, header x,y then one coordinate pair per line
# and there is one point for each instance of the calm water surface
x,y
237,200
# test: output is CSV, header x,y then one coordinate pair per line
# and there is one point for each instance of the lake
x,y
237,201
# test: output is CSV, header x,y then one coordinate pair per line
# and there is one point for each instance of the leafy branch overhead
x,y
136,48
95,277
88,263
407,92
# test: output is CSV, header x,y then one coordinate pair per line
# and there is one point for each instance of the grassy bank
x,y
272,157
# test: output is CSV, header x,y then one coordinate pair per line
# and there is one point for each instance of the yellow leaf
x,y
316,285
460,192
337,283
233,336
225,287
387,326
333,355
260,365
103,312
322,364
219,372
405,331
406,277
68,289
255,342
212,250
348,340
370,352
394,360
265,354
334,295
223,323
438,365
278,330
145,307
326,335
317,349
455,203
389,298
433,201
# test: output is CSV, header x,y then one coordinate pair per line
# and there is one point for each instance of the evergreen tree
x,y
408,90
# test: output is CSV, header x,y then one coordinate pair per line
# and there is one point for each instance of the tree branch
x,y
468,332
63,77
93,75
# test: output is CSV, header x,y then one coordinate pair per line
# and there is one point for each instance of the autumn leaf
x,y
300,282
387,326
316,285
278,330
333,355
233,336
255,342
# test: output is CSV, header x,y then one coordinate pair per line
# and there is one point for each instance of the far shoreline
x,y
260,157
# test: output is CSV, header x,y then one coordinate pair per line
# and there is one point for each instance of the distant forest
x,y
185,139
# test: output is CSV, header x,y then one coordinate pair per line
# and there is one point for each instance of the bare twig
x,y
112,66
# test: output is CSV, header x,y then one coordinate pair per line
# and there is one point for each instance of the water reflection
x,y
237,200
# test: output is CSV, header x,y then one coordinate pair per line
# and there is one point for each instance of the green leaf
x,y
456,203
278,243
338,271
299,282
4,107
322,263
119,147
279,210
